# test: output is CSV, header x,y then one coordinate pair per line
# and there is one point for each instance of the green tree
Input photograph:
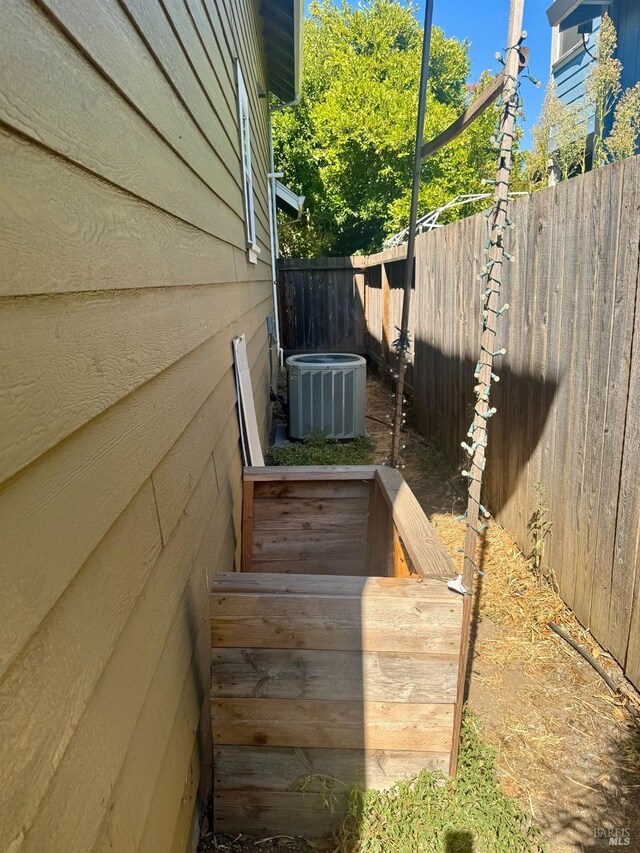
x,y
348,146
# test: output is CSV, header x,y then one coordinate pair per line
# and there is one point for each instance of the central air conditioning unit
x,y
327,393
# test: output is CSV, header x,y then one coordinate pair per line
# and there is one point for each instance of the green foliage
x,y
348,146
539,526
433,814
558,136
625,133
602,86
317,449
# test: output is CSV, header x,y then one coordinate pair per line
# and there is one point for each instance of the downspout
x,y
274,243
298,13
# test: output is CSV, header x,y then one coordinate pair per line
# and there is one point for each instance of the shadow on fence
x,y
444,404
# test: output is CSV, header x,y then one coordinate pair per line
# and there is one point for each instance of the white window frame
x,y
244,124
558,58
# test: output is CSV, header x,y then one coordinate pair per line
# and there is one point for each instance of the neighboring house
x,y
574,27
137,225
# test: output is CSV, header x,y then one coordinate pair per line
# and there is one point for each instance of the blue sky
x,y
484,24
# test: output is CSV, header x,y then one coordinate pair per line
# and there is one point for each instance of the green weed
x,y
539,526
431,813
317,449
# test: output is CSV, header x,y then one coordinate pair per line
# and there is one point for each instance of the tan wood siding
x,y
124,280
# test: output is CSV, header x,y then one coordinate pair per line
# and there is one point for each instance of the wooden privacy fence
x,y
567,433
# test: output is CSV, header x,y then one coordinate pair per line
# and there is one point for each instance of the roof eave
x,y
558,11
283,47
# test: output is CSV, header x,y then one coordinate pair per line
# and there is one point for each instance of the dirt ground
x,y
567,749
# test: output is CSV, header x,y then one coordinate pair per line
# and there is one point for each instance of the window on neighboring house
x,y
568,39
576,28
245,156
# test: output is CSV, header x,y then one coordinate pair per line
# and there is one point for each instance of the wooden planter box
x,y
335,652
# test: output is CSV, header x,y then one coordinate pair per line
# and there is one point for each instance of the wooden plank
x,y
576,501
314,489
333,725
284,768
624,616
423,589
400,567
568,419
472,112
619,507
283,545
292,473
359,312
428,555
246,404
349,675
385,332
309,514
247,525
74,494
274,812
334,622
379,535
335,566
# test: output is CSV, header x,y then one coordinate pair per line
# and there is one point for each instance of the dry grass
x,y
568,748
512,595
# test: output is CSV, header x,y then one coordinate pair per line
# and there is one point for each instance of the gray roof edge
x,y
559,10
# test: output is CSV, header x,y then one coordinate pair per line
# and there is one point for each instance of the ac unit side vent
x,y
327,393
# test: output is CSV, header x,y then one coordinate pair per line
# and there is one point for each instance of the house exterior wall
x,y
124,278
570,72
625,14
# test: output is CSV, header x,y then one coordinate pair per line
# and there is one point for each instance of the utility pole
x,y
403,343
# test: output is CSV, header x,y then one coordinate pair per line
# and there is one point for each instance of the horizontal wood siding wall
x,y
124,280
568,399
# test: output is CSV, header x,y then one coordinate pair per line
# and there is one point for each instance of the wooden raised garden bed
x,y
335,650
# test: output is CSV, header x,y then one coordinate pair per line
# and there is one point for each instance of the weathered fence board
x,y
321,306
568,399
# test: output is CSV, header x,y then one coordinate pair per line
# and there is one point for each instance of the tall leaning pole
x,y
492,275
403,343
